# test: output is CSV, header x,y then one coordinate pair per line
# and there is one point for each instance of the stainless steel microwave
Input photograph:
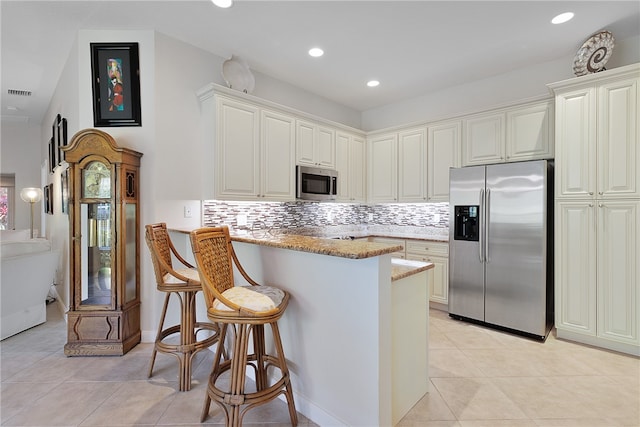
x,y
316,183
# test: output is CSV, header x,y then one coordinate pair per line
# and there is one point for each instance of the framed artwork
x,y
61,137
64,191
115,74
55,137
52,155
50,191
46,197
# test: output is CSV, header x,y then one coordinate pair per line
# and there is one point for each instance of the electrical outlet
x,y
241,220
370,217
187,211
436,217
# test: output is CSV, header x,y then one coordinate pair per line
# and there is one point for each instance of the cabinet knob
x,y
590,205
600,193
591,193
600,205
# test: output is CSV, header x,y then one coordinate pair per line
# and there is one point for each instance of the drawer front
x,y
427,248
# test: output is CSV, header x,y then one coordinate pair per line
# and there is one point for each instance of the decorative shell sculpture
x,y
594,54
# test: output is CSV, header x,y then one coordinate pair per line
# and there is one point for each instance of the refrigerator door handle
x,y
487,208
481,237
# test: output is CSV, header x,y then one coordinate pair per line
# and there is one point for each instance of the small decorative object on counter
x,y
594,54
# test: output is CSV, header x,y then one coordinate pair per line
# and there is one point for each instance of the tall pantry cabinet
x,y
597,209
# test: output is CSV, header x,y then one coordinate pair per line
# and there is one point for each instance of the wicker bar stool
x,y
185,284
244,310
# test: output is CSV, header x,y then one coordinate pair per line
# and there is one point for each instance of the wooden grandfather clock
x,y
104,211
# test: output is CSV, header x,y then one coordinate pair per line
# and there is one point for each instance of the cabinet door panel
x,y
343,142
443,152
382,182
357,169
412,159
618,278
575,148
484,140
326,151
238,155
305,142
618,154
277,144
529,133
575,276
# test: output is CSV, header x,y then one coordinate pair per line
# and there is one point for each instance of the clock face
x,y
96,181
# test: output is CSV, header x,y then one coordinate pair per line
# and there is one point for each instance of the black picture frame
x,y
55,137
115,70
51,204
46,197
52,155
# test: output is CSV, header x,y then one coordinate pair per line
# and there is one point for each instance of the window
x,y
7,200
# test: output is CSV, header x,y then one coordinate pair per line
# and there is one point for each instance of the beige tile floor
x,y
479,378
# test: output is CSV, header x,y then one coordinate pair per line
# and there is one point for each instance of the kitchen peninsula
x,y
355,331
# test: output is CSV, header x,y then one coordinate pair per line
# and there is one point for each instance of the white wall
x,y
485,94
21,154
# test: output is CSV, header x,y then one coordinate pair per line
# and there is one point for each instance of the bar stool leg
x,y
159,334
293,414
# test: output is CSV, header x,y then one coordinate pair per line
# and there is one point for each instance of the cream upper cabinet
x,y
530,132
350,163
254,152
412,165
599,155
443,153
484,139
382,175
237,149
618,155
513,134
277,153
315,144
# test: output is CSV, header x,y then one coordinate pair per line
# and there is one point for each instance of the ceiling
x,y
412,47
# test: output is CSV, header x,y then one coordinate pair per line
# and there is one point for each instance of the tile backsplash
x,y
315,214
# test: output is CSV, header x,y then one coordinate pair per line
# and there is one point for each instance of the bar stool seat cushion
x,y
190,273
256,298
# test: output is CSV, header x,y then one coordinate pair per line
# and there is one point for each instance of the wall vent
x,y
19,92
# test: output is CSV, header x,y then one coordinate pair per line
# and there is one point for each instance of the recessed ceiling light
x,y
223,3
316,52
562,18
373,83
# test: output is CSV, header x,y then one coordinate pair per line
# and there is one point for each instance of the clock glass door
x,y
96,254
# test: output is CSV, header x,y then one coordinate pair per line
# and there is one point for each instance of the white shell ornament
x,y
237,74
594,54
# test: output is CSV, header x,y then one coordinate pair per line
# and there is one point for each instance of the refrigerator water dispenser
x,y
466,223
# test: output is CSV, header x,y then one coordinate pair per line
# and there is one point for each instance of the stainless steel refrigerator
x,y
501,246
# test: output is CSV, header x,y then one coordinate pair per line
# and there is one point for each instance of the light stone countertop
x,y
401,268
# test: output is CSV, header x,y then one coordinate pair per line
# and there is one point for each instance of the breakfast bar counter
x,y
356,329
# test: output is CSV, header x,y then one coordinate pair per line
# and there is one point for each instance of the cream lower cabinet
x,y
597,273
350,163
438,254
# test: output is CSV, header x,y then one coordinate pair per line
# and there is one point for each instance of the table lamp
x,y
31,195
